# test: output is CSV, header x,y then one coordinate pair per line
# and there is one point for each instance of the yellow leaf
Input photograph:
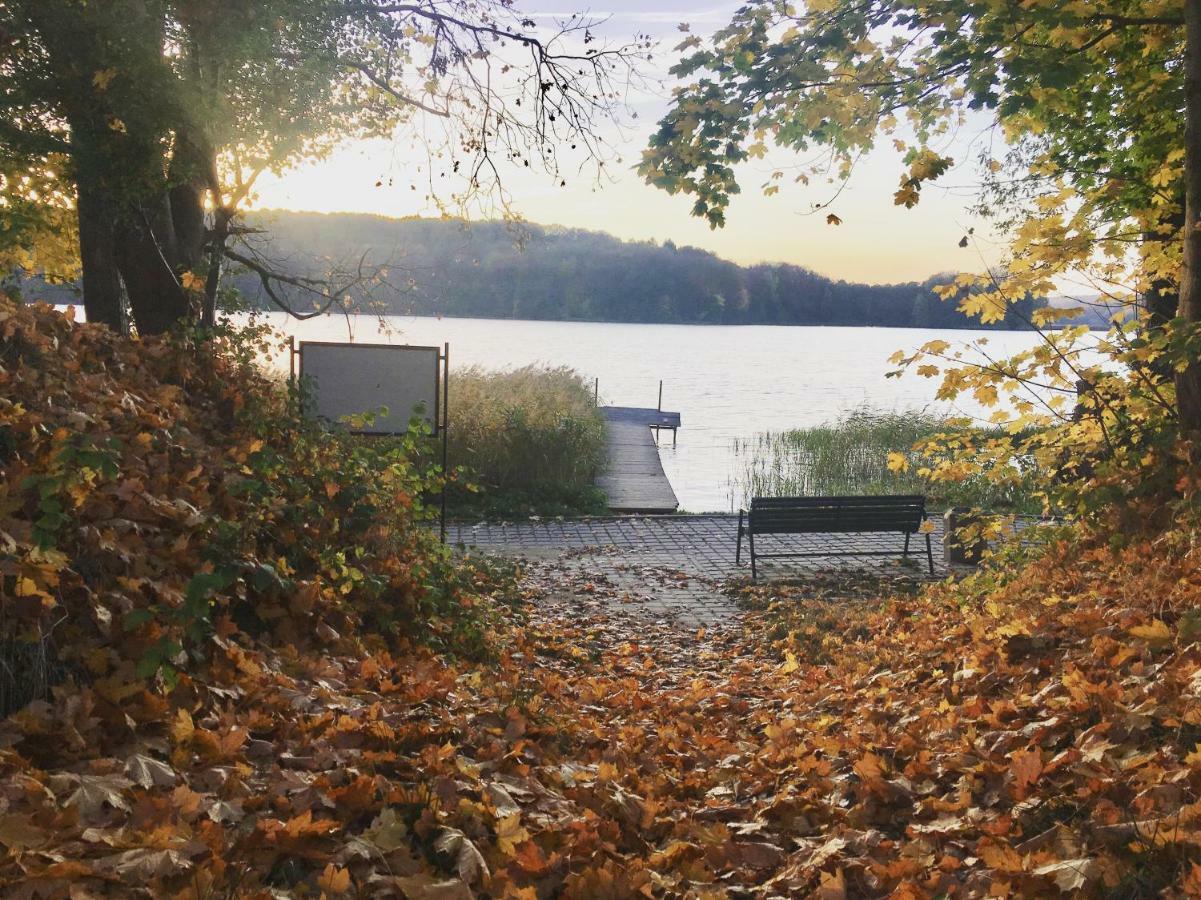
x,y
833,886
182,728
509,834
898,462
1156,633
907,197
999,856
102,78
790,663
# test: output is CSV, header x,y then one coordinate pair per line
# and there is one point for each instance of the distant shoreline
x,y
275,312
394,315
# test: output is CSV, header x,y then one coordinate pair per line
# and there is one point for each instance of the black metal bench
x,y
832,515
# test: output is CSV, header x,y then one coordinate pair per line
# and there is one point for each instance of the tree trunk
x,y
140,204
144,251
1162,299
97,252
208,312
189,180
1188,382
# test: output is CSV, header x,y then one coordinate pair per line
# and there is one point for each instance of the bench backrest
x,y
800,515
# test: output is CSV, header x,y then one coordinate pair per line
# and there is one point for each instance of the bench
x,y
832,515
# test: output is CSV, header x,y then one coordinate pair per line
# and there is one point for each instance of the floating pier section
x,y
634,481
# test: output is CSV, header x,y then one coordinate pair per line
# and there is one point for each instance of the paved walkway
x,y
676,566
699,545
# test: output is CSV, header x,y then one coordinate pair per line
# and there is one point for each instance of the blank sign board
x,y
353,379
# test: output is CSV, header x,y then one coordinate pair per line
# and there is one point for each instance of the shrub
x,y
530,438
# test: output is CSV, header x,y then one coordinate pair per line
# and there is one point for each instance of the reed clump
x,y
531,439
850,457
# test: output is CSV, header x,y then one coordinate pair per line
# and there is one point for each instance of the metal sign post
x,y
445,434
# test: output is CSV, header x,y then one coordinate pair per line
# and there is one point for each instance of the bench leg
x,y
929,555
905,553
738,548
754,570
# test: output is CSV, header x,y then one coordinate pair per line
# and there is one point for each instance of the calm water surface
x,y
728,382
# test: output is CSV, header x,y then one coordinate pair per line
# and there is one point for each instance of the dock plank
x,y
634,481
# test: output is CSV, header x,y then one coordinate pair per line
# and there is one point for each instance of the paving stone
x,y
675,566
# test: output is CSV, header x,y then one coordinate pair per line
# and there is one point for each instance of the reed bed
x,y
530,438
850,457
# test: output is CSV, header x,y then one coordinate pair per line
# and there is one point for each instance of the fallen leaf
x,y
1155,633
1071,875
1025,766
468,861
18,832
145,864
97,791
334,880
149,772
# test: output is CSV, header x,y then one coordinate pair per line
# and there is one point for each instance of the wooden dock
x,y
634,481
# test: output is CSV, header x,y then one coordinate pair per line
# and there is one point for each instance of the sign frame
x,y
441,417
441,362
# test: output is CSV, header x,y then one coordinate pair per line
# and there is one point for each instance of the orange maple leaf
x,y
1025,766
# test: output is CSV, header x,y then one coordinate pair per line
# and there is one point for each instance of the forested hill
x,y
497,270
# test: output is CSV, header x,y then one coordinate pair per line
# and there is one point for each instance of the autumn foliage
x,y
315,726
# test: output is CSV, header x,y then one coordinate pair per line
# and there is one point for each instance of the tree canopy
x,y
1088,101
154,118
1099,169
1086,97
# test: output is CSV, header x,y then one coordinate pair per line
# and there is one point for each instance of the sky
x,y
876,242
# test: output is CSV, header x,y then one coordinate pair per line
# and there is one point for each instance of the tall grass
x,y
850,457
531,438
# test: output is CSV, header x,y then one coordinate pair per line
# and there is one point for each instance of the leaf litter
x,y
1026,735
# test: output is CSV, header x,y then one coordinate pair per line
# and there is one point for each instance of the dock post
x,y
660,406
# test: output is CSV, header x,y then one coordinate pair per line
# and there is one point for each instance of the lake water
x,y
728,382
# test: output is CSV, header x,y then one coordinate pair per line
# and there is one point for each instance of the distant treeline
x,y
523,271
499,270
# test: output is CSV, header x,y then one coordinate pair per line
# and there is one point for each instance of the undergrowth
x,y
159,494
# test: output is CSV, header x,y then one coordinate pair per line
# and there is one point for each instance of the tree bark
x,y
140,204
208,311
97,252
189,181
145,255
1188,382
1162,299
